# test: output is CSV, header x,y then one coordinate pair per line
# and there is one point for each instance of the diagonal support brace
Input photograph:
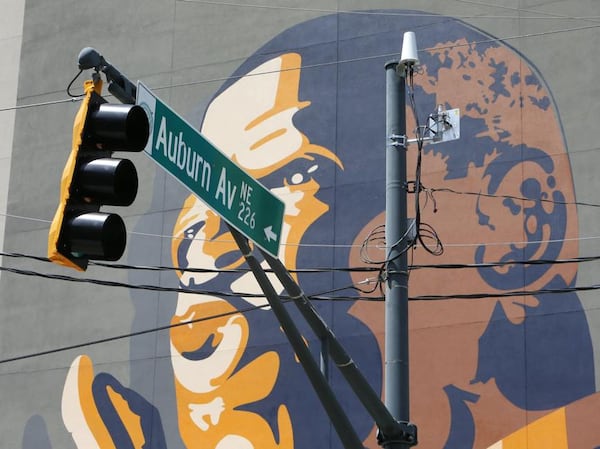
x,y
336,414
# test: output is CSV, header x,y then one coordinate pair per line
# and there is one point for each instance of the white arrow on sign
x,y
269,234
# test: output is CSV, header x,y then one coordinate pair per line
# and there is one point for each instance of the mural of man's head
x,y
305,115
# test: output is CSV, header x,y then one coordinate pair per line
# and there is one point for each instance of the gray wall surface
x,y
10,41
184,50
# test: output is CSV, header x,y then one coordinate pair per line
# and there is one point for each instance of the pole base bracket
x,y
403,436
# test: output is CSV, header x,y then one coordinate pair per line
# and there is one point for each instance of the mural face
x,y
504,372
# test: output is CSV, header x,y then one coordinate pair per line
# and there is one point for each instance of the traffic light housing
x,y
92,178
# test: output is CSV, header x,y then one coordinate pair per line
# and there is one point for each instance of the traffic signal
x,y
92,178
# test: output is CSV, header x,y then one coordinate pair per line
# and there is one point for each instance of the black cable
x,y
106,283
71,85
374,237
516,198
230,270
319,296
24,256
128,335
346,298
249,309
510,294
170,326
425,232
287,299
581,259
449,266
192,269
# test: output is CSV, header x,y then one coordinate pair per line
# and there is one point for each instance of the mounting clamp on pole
x,y
118,84
398,140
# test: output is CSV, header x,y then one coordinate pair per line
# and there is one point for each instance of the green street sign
x,y
233,194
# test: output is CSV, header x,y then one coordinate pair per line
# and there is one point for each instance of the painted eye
x,y
298,178
184,246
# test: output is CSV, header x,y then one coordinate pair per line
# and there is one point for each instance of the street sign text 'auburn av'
x,y
233,194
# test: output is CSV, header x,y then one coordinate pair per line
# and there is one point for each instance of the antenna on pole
x,y
409,55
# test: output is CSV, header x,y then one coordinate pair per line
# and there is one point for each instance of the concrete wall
x,y
12,34
186,51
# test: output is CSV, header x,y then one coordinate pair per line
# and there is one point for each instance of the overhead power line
x,y
320,296
473,296
540,15
423,188
454,266
318,270
510,294
431,190
381,56
512,197
188,269
127,335
36,105
107,283
158,288
345,61
350,245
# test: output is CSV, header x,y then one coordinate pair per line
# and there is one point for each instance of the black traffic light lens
x,y
96,235
120,127
108,181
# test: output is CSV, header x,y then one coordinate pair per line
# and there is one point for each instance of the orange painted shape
x,y
549,432
85,375
131,421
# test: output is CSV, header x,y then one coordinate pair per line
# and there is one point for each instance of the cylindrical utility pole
x,y
396,298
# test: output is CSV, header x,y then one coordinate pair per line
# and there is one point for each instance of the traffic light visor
x,y
96,235
108,181
121,127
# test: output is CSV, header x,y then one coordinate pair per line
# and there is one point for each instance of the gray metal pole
x,y
396,298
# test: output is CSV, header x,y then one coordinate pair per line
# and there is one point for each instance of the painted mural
x,y
306,116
